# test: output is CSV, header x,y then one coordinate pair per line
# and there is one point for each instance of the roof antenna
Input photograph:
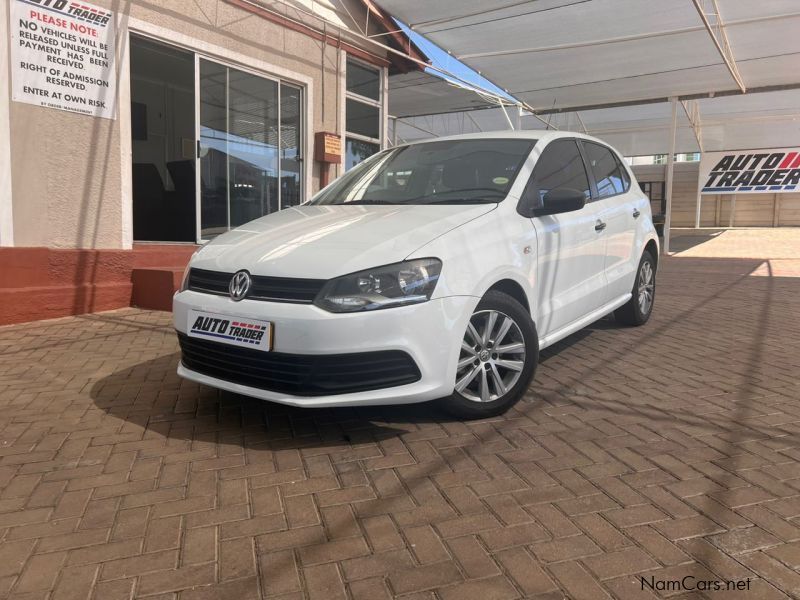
x,y
550,116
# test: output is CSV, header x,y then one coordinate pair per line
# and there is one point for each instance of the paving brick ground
x,y
664,451
776,243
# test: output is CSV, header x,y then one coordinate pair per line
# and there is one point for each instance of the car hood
x,y
321,242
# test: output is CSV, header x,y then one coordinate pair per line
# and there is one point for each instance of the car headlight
x,y
400,284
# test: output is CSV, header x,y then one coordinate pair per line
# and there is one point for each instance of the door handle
x,y
599,226
636,213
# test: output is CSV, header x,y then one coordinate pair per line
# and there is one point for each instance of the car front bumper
x,y
430,333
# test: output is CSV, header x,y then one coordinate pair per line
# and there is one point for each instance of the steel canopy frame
x,y
695,55
720,38
669,175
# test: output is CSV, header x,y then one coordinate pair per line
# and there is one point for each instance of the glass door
x,y
290,152
213,149
249,141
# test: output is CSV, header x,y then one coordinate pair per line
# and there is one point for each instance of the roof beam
x,y
583,125
422,129
625,38
698,96
692,110
505,114
720,38
474,122
486,11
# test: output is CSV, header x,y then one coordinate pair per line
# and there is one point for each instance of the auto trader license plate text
x,y
237,331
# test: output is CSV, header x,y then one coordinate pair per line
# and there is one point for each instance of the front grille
x,y
272,289
299,374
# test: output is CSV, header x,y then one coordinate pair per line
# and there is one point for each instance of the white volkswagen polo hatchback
x,y
431,271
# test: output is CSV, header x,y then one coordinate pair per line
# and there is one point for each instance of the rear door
x,y
618,212
570,279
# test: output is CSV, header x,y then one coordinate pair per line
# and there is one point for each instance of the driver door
x,y
570,280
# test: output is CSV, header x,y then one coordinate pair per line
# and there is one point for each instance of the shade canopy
x,y
561,54
421,92
608,68
727,123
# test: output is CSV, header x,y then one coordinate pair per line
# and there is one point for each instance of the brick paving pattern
x,y
776,243
662,451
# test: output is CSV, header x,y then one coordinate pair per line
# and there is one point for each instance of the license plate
x,y
237,331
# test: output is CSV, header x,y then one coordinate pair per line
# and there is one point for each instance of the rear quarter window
x,y
610,176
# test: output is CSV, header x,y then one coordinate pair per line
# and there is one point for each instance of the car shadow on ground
x,y
151,395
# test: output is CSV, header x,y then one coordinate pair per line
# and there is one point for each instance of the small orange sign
x,y
327,147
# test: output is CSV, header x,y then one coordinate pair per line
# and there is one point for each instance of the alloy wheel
x,y
492,357
646,288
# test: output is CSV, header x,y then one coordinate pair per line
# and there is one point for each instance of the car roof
x,y
528,134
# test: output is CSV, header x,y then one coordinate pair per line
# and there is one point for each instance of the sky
x,y
443,60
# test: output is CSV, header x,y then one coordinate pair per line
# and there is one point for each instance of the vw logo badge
x,y
239,285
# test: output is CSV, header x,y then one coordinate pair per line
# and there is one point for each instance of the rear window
x,y
446,172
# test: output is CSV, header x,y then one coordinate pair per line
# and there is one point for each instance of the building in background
x,y
170,123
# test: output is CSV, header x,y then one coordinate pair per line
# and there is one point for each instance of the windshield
x,y
446,172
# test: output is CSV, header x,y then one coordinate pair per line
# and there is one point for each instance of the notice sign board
x,y
62,54
327,147
750,171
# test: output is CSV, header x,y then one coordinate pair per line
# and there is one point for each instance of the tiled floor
x,y
666,451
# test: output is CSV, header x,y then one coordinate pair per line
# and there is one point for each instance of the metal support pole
x,y
699,203
670,170
697,212
505,113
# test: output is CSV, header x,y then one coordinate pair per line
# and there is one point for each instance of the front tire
x,y
498,358
638,309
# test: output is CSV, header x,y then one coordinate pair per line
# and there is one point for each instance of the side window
x,y
559,166
626,179
606,169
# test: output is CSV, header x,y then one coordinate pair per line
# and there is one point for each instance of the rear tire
x,y
500,350
638,309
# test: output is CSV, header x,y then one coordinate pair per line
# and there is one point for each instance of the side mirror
x,y
561,200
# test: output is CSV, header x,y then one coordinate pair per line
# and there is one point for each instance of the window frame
x,y
225,56
380,104
647,190
523,203
593,181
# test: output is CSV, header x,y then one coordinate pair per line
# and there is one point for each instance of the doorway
x,y
214,146
162,131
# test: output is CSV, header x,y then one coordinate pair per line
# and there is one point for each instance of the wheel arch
x,y
512,288
652,247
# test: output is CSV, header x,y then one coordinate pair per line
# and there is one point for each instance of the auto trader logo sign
x,y
62,54
750,172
